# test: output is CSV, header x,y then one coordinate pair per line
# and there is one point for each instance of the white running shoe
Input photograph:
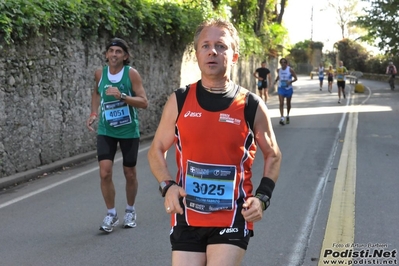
x,y
109,222
129,221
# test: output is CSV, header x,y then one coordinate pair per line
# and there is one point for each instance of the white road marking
x,y
18,199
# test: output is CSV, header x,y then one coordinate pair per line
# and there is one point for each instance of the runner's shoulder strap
x,y
251,104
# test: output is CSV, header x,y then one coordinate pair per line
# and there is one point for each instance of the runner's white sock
x,y
112,211
129,208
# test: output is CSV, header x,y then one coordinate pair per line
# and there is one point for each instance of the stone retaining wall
x,y
45,92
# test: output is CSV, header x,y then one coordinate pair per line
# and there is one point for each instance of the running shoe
x,y
282,122
109,222
339,101
129,221
287,120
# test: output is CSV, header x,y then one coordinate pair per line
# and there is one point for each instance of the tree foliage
x,y
301,52
382,24
346,12
20,19
258,21
329,58
352,54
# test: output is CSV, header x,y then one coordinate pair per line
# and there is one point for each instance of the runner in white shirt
x,y
286,75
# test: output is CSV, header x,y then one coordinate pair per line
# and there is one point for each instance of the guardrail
x,y
378,77
354,76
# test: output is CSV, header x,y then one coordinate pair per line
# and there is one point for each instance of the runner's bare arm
x,y
163,140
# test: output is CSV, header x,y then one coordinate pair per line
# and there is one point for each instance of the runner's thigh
x,y
224,254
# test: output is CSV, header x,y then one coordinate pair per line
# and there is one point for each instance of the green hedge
x,y
150,19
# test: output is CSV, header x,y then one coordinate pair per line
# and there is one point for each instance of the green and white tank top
x,y
117,119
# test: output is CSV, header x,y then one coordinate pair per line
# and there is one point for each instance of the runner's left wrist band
x,y
165,185
94,114
266,187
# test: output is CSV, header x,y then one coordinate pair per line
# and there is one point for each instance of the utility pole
x,y
310,50
311,25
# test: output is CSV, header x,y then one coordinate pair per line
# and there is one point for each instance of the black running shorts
x,y
107,146
341,84
262,84
196,239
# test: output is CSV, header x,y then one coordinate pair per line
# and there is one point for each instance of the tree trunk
x,y
280,15
261,12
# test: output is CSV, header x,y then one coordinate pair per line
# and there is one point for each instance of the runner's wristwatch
x,y
264,199
165,185
123,96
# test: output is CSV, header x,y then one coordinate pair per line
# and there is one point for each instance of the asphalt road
x,y
337,193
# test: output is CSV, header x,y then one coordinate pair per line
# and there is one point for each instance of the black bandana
x,y
119,44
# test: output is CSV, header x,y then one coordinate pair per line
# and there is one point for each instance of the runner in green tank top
x,y
117,119
117,93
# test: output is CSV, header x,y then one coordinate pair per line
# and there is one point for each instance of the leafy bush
x,y
146,19
379,63
19,19
353,55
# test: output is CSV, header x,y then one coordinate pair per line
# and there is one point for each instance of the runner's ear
x,y
235,58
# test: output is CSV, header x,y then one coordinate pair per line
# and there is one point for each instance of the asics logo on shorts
x,y
228,231
192,114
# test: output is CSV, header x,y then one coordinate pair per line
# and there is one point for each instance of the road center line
x,y
340,228
299,251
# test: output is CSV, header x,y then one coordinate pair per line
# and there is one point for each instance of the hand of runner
x,y
114,91
252,210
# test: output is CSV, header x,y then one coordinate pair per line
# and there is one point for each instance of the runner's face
x,y
115,56
215,53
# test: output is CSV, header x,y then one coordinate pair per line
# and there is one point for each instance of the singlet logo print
x,y
228,231
192,114
198,171
225,118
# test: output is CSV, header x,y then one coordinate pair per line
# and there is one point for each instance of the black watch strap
x,y
165,185
264,199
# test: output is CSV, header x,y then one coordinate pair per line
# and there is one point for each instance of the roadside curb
x,y
38,171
